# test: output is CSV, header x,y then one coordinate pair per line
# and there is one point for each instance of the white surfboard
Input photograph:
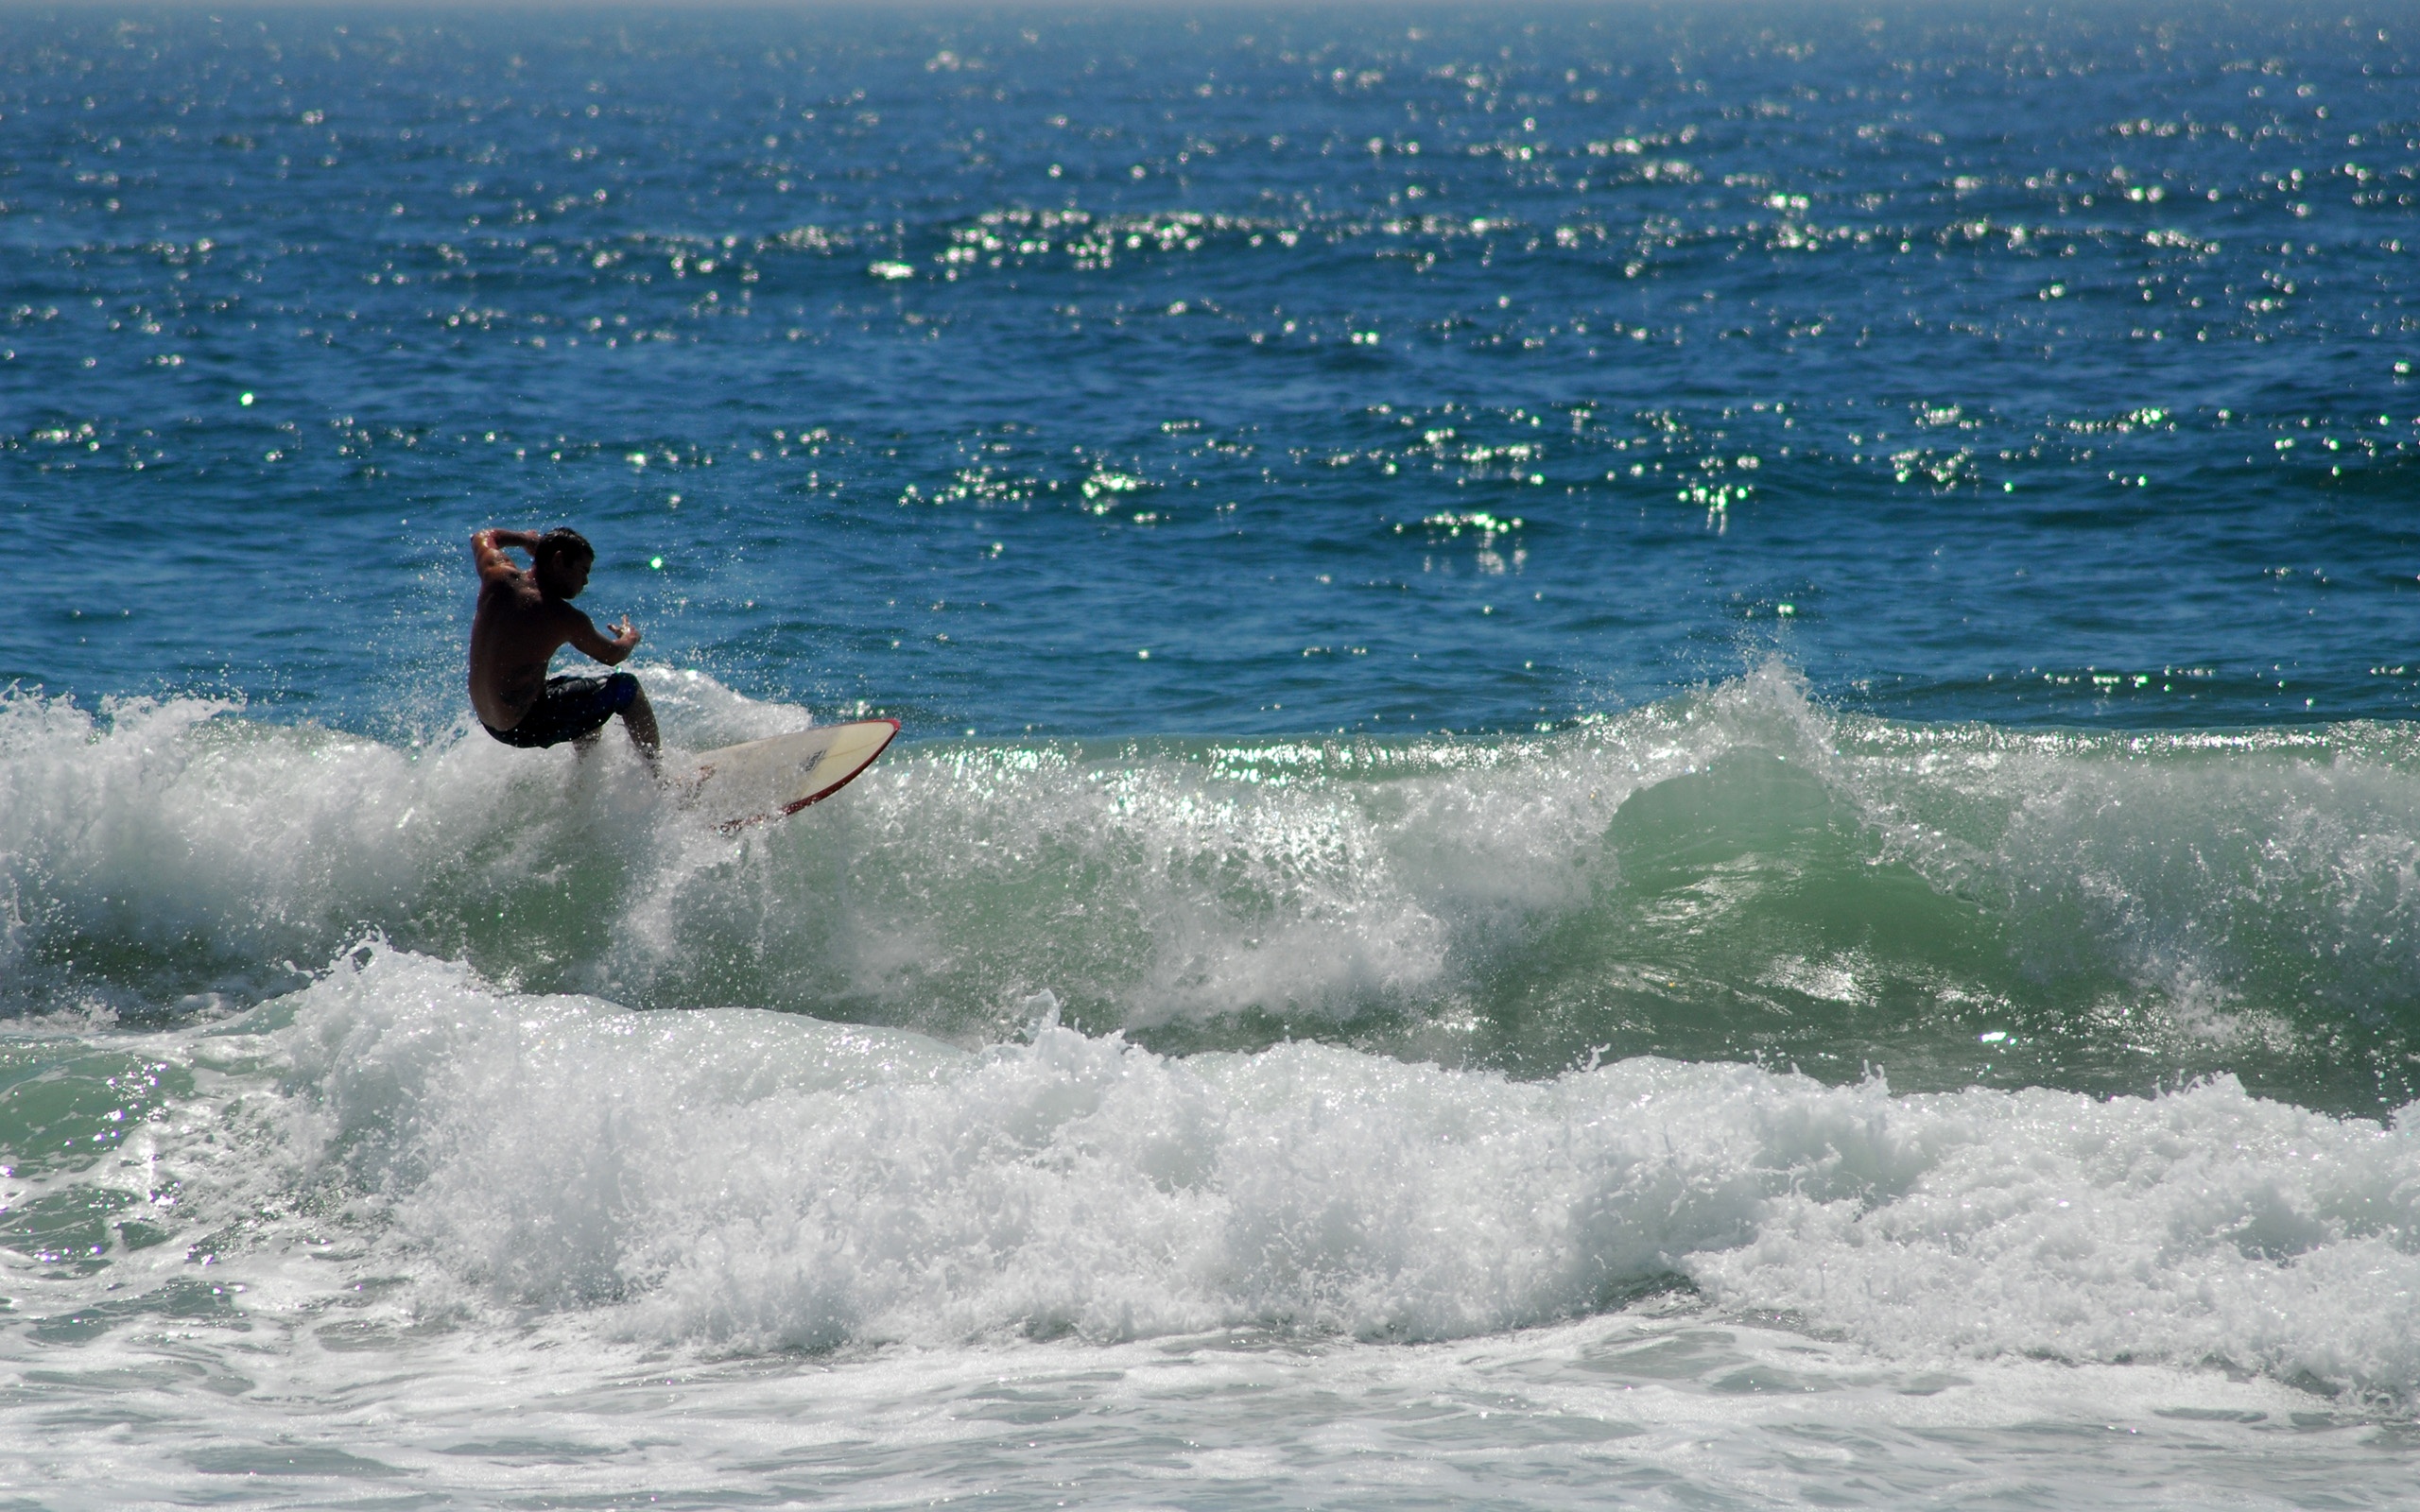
x,y
761,780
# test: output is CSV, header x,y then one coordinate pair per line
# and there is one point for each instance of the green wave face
x,y
1733,875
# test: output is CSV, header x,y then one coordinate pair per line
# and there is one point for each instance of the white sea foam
x,y
745,1180
529,1210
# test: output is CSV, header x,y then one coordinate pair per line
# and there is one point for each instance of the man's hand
x,y
593,642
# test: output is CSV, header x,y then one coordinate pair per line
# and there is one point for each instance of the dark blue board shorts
x,y
570,708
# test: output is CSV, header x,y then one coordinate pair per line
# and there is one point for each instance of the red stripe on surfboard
x,y
818,797
728,826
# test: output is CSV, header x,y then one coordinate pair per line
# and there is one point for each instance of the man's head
x,y
563,558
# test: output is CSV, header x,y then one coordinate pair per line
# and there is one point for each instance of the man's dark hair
x,y
563,545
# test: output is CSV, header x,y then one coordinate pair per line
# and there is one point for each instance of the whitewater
x,y
674,1160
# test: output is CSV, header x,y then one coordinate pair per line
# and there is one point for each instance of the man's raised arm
x,y
488,548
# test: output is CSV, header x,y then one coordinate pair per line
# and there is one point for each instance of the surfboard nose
x,y
760,780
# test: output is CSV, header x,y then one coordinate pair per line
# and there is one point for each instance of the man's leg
x,y
639,717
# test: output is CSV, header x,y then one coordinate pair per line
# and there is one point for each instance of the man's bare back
x,y
524,617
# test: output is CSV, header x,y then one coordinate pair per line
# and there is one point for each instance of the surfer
x,y
522,618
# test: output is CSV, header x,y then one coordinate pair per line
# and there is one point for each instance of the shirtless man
x,y
522,617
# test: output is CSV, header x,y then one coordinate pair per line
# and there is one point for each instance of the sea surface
x,y
1654,755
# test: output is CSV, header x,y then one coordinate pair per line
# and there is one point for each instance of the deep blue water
x,y
2044,363
1654,756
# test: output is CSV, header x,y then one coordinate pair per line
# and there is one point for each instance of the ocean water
x,y
1654,756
